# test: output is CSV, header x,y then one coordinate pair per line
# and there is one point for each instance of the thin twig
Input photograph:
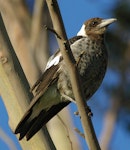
x,y
52,30
79,132
66,131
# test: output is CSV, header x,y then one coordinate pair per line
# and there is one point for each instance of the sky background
x,y
74,13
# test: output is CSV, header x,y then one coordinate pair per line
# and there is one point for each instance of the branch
x,y
15,89
74,75
39,37
18,27
7,140
109,123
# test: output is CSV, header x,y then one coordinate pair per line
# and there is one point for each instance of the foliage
x,y
119,46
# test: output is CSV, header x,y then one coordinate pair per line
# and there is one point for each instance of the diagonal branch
x,y
15,89
74,75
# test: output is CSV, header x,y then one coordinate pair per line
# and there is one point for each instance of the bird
x,y
53,90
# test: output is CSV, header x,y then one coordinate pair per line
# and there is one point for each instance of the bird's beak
x,y
106,22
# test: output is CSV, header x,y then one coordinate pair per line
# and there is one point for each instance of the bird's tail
x,y
28,126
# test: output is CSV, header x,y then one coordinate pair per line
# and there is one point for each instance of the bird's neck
x,y
97,37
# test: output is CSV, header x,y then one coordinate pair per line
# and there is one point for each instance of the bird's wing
x,y
51,73
47,79
51,68
74,39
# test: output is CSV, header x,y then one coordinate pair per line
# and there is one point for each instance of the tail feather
x,y
43,118
28,127
23,125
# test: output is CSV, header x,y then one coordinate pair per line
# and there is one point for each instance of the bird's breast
x,y
91,59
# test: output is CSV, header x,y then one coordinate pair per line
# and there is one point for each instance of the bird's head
x,y
96,26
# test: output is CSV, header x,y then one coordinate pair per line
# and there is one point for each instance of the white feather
x,y
82,31
54,60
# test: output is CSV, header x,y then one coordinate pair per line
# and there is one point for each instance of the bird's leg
x,y
68,98
52,30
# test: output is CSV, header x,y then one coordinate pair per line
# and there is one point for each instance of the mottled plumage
x,y
53,90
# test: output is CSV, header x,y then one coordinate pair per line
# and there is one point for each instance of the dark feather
x,y
29,127
23,125
48,77
72,40
43,118
45,79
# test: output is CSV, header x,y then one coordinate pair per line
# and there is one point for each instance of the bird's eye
x,y
93,23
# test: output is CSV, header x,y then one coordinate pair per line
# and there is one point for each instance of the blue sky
x,y
74,13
